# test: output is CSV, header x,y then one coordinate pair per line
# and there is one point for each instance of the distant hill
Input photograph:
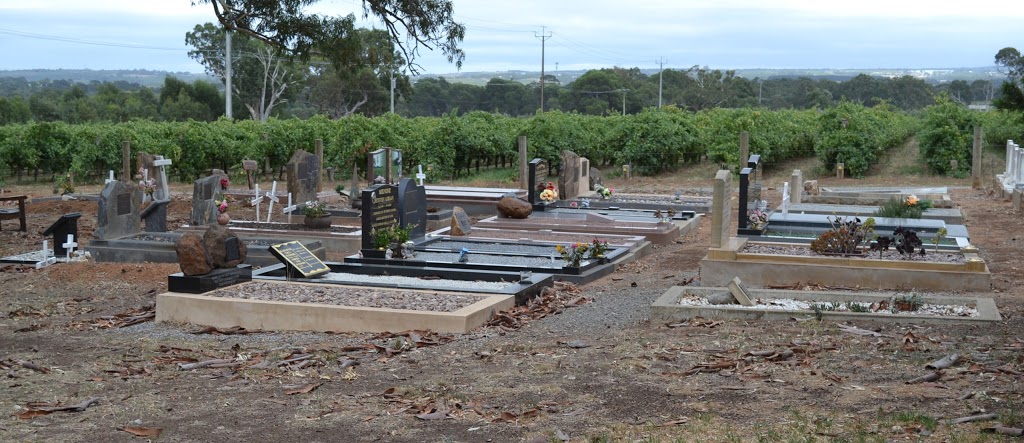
x,y
152,79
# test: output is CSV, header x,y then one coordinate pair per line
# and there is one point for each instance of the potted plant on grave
x,y
393,241
316,214
222,211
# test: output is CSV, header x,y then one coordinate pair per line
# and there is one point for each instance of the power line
x,y
82,41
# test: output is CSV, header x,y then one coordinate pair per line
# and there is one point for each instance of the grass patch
x,y
489,177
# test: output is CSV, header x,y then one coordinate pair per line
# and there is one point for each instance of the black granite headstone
x,y
66,224
298,260
412,201
380,211
155,216
538,177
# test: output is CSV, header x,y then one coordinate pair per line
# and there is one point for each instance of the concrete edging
x,y
224,312
667,308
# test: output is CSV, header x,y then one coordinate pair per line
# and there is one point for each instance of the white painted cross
x,y
272,195
256,202
420,175
111,178
290,208
785,198
162,163
70,246
47,259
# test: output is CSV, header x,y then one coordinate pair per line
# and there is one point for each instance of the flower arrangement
x,y
549,194
604,192
383,238
314,209
148,185
224,183
222,205
598,248
757,218
573,254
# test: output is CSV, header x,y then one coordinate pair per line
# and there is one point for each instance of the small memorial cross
x,y
420,175
272,196
290,208
162,164
47,259
110,178
256,202
785,198
69,246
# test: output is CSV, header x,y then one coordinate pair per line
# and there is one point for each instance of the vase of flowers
x,y
549,194
224,183
758,219
222,211
316,214
574,253
598,249
603,191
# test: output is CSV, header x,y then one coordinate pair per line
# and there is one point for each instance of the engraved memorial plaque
x,y
124,203
231,249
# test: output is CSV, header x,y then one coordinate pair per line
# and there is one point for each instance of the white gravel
x,y
414,282
348,296
786,304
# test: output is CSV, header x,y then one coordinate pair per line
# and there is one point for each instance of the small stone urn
x,y
223,218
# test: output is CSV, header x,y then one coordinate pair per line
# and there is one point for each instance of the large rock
x,y
513,207
811,187
192,255
223,247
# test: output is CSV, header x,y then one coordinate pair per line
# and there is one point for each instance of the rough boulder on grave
x,y
511,206
217,248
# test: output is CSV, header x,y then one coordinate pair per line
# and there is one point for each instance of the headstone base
x,y
216,279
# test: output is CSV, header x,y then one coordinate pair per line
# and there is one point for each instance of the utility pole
x,y
661,70
227,73
624,91
543,37
392,92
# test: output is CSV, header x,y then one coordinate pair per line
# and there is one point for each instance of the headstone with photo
x,y
155,216
118,214
380,211
204,193
66,225
537,179
412,204
303,176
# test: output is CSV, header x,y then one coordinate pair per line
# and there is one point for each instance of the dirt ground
x,y
81,362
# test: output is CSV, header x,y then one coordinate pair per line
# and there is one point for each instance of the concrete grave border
x,y
667,308
224,312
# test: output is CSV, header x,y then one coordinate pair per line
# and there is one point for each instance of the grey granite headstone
x,y
595,178
118,214
303,176
204,192
155,216
412,207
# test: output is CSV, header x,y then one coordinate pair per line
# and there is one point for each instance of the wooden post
x,y
319,150
522,160
976,158
126,161
744,148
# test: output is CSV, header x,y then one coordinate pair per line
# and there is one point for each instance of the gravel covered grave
x,y
891,254
505,248
400,281
347,296
786,304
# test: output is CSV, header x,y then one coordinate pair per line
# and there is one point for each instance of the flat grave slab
x,y
680,303
656,232
270,305
158,247
948,215
817,223
338,238
691,203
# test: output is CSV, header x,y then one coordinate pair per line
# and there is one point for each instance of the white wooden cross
x,y
69,246
256,202
47,259
785,198
420,175
111,178
290,208
162,163
272,195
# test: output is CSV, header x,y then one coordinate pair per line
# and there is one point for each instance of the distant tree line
x,y
322,91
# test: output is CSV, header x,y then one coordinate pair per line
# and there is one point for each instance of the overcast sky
x,y
584,34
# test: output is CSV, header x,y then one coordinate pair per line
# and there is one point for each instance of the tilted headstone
x,y
595,178
66,225
250,167
721,209
155,216
163,191
118,214
303,172
380,211
537,180
412,204
204,192
569,176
